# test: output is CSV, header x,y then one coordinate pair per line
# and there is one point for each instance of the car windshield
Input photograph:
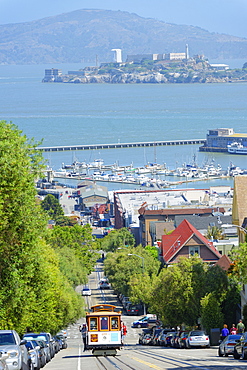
x,y
35,336
197,333
7,338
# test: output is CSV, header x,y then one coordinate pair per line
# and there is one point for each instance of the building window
x,y
194,250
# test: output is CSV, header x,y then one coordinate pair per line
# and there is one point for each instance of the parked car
x,y
155,336
63,339
34,354
11,344
142,335
86,291
240,349
44,337
45,349
41,350
147,339
169,337
3,363
182,339
197,338
227,345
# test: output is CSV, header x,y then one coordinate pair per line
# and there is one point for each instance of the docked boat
x,y
236,148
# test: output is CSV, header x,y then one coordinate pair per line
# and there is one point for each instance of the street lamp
x,y
133,254
241,228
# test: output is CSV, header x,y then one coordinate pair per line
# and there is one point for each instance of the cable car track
x,y
113,363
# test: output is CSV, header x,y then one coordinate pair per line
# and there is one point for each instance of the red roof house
x,y
186,241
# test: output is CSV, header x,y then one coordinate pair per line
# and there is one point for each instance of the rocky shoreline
x,y
154,77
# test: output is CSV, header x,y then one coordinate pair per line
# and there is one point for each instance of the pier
x,y
121,145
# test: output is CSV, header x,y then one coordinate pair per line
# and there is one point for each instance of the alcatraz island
x,y
151,68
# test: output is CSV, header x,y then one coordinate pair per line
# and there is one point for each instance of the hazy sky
x,y
222,16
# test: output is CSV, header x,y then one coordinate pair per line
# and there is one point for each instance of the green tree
x,y
178,291
33,291
117,239
212,316
52,206
239,268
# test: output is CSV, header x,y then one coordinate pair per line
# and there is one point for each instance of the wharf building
x,y
218,139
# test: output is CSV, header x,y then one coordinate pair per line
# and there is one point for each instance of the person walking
x,y
224,332
123,331
233,329
240,327
83,331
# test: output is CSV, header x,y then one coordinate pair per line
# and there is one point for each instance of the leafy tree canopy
x,y
117,239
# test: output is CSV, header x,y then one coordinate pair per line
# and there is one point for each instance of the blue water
x,y
66,114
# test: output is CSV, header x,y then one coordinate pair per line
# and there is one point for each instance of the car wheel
x,y
220,353
236,355
139,326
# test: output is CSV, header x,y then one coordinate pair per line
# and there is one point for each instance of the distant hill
x,y
80,35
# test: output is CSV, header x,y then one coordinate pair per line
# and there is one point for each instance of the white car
x,y
86,291
11,344
197,338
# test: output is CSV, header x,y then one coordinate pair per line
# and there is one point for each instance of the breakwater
x,y
63,148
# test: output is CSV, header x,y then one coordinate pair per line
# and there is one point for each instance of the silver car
x,y
11,343
197,338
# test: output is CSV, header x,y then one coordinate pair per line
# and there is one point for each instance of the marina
x,y
151,175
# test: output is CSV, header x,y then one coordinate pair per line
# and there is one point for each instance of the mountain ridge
x,y
82,34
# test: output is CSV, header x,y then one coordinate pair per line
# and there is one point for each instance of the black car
x,y
240,349
134,309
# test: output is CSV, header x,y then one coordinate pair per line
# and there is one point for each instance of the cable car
x,y
104,330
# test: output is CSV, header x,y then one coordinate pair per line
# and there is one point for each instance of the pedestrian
x,y
240,327
83,331
123,331
233,330
224,332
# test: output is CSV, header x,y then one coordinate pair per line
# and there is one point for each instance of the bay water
x,y
71,114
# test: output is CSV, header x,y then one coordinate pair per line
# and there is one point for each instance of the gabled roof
x,y
173,243
224,262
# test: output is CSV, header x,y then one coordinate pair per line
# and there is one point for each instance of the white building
x,y
117,55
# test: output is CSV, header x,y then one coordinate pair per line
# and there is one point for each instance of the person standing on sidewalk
x,y
83,331
240,327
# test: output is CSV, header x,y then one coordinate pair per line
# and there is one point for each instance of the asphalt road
x,y
134,356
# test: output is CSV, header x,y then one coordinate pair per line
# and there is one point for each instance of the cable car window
x,y
93,323
104,323
114,323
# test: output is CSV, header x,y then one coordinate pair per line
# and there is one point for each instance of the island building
x,y
117,55
218,139
52,75
137,58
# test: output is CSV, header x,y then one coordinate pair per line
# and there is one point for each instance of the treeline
x,y
39,267
181,294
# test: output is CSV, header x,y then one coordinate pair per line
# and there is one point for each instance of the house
x,y
168,216
90,194
187,241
